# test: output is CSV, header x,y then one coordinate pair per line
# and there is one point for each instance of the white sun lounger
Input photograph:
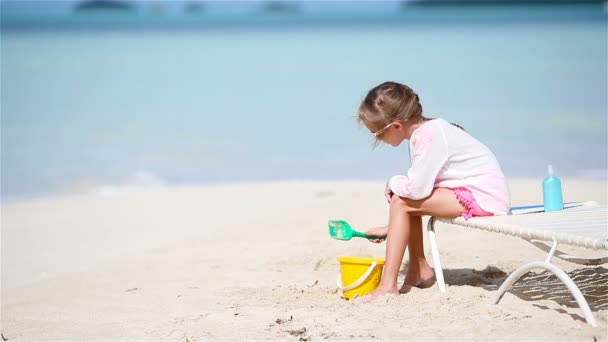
x,y
580,224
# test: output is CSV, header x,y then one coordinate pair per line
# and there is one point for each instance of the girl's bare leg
x,y
396,241
442,202
419,269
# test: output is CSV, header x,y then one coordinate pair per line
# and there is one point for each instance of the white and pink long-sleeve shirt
x,y
444,156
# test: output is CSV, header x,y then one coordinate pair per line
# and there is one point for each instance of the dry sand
x,y
254,261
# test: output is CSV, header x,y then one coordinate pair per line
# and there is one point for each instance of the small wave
x,y
140,181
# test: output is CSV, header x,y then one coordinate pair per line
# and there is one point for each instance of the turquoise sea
x,y
106,105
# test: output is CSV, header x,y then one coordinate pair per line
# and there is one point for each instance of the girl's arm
x,y
430,152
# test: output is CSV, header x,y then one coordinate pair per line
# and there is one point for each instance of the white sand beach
x,y
254,261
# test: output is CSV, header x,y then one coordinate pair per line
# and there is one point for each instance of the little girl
x,y
451,174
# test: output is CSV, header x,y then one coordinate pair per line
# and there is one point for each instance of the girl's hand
x,y
388,193
380,232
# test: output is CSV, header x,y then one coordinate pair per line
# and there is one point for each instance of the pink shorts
x,y
465,197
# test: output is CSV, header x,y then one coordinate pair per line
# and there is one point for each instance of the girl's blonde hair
x,y
387,103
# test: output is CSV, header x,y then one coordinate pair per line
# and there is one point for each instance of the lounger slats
x,y
585,226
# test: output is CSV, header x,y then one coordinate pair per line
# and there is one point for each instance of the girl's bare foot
x,y
380,291
418,277
422,278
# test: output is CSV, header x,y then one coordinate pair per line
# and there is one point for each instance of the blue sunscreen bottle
x,y
552,192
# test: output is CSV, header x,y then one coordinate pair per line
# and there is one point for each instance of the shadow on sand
x,y
592,281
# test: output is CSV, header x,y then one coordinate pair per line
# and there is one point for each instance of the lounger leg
x,y
430,226
567,257
580,299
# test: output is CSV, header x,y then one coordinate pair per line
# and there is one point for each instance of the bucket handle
x,y
358,281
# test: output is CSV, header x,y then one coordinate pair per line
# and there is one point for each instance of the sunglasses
x,y
381,130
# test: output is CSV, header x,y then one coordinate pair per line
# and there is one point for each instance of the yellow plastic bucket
x,y
359,276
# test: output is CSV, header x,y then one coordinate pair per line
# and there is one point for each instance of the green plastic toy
x,y
341,230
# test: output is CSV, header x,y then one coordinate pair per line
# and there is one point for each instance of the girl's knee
x,y
400,202
404,204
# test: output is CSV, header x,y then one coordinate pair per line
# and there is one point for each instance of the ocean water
x,y
112,109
